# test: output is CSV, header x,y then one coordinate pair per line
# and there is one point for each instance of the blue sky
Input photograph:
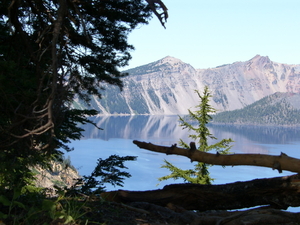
x,y
209,33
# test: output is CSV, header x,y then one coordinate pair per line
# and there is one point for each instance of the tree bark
x,y
281,162
279,192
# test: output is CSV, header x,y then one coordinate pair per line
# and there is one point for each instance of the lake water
x,y
120,131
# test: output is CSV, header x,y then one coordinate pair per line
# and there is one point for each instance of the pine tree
x,y
52,52
196,122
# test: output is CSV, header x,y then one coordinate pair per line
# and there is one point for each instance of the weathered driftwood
x,y
279,192
281,162
254,216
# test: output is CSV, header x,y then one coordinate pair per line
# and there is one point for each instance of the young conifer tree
x,y
196,122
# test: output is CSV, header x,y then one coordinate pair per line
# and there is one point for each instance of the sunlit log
x,y
281,162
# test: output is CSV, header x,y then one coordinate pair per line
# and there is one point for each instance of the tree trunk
x,y
281,162
279,192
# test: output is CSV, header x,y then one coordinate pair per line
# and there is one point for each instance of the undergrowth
x,y
29,205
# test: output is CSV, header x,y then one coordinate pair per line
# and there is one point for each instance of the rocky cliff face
x,y
242,83
167,86
60,175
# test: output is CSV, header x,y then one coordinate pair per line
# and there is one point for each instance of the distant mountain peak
x,y
169,59
168,62
260,59
166,86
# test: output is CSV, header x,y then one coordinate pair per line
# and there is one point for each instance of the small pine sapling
x,y
196,122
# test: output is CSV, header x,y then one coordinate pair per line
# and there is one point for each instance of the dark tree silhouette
x,y
53,51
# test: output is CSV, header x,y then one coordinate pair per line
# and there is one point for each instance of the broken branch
x,y
281,162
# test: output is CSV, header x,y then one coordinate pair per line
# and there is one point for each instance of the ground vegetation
x,y
52,52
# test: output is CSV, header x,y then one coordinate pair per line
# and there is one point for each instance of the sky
x,y
210,33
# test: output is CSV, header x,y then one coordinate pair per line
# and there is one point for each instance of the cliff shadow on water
x,y
134,127
260,134
147,127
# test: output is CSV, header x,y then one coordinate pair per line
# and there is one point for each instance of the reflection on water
x,y
134,127
261,134
119,131
166,130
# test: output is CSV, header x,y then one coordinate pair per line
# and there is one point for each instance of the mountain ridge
x,y
281,109
163,64
166,86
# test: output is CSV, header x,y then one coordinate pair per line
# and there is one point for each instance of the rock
x,y
59,175
167,86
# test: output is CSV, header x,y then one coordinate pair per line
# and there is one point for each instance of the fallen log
x,y
278,192
254,216
281,162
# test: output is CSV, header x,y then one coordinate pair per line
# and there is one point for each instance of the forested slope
x,y
277,109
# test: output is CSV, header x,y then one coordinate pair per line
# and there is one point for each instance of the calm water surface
x,y
120,131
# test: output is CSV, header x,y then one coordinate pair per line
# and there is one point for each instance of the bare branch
x,y
281,162
38,131
161,16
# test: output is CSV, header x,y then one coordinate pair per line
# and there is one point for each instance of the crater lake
x,y
119,132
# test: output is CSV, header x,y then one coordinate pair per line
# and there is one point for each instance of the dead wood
x,y
256,216
177,200
281,162
156,6
279,192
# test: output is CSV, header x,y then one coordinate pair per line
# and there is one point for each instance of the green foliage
x,y
66,163
196,122
11,204
154,97
276,109
33,208
108,170
52,52
20,205
138,105
27,205
62,209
